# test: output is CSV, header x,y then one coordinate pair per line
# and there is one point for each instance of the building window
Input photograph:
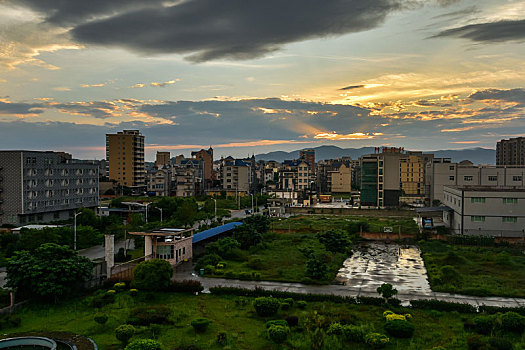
x,y
451,178
468,178
510,200
512,219
477,200
451,167
493,178
477,218
517,178
380,163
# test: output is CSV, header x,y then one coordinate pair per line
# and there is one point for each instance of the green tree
x,y
144,344
335,241
225,247
247,236
259,222
50,272
124,333
187,212
316,267
154,275
387,291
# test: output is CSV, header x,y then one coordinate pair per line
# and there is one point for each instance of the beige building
x,y
162,159
295,175
236,175
511,151
485,210
125,156
341,179
442,172
159,181
173,245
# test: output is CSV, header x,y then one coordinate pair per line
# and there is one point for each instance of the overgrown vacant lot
x,y
475,270
319,223
279,258
242,328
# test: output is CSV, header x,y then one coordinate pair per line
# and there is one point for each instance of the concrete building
x,y
189,177
341,179
443,172
125,156
236,175
309,156
295,175
39,187
206,156
162,159
485,210
511,151
159,182
171,244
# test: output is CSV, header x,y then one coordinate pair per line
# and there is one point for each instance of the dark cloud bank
x,y
489,32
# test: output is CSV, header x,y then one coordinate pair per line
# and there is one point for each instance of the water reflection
x,y
375,263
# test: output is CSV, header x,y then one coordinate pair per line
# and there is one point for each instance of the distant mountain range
x,y
475,155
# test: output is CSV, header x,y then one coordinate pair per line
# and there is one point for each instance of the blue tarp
x,y
201,236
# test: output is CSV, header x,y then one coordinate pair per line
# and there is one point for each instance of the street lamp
x,y
215,202
146,206
75,230
160,209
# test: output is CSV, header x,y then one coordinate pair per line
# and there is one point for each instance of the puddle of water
x,y
373,264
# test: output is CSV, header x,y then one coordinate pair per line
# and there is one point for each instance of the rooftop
x,y
488,188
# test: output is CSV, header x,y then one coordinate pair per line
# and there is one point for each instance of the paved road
x,y
185,272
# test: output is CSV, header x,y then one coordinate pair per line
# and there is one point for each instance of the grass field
x,y
319,223
475,270
279,259
235,316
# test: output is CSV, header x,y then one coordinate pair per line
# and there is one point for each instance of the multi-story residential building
x,y
485,210
125,156
443,172
206,155
236,175
162,159
295,175
511,151
189,177
309,156
393,177
341,179
159,181
44,186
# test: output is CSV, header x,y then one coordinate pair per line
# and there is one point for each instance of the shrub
x,y
266,306
500,344
393,317
335,329
400,328
278,334
222,338
101,319
387,291
119,286
475,342
292,321
14,320
376,340
354,333
255,263
285,306
154,275
209,269
289,301
144,344
208,259
433,304
301,304
245,275
484,324
200,324
102,300
387,312
133,292
276,323
124,332
186,286
512,321
146,315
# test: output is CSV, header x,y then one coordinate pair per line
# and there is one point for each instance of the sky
x,y
250,76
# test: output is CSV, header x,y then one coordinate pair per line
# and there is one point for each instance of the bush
x,y
266,306
101,319
376,340
154,275
119,286
102,300
335,329
354,333
144,344
276,323
292,321
146,315
186,286
475,342
133,292
208,259
387,291
255,263
500,344
512,321
285,306
433,304
301,304
400,328
222,338
484,324
278,334
124,332
200,324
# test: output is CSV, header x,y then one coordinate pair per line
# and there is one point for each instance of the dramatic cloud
x,y
211,29
351,87
512,95
20,109
505,30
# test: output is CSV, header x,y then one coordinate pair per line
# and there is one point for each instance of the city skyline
x,y
425,75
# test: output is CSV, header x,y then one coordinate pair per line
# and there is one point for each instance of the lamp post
x,y
215,203
146,206
160,209
75,230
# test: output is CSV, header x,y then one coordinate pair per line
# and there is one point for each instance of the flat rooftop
x,y
489,188
163,232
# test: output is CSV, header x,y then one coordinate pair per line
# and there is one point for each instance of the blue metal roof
x,y
201,236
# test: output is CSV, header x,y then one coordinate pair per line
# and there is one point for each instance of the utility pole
x,y
160,209
75,231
